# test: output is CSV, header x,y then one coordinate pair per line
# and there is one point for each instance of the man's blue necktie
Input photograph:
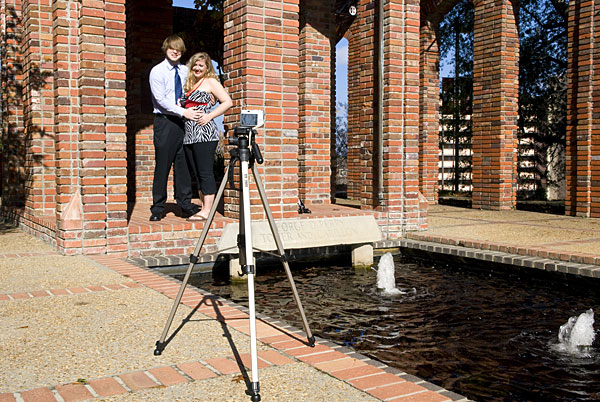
x,y
178,90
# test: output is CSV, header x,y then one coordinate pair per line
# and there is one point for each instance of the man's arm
x,y
159,93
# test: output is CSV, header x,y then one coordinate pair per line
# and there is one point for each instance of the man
x,y
166,80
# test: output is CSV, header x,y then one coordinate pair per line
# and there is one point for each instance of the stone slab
x,y
305,233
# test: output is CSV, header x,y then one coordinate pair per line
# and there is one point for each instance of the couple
x,y
184,130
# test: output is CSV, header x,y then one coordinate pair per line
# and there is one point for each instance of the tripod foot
x,y
311,341
253,392
160,346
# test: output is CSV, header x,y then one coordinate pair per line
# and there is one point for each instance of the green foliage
x,y
543,81
207,32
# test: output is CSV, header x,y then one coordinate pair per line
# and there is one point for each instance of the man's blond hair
x,y
173,42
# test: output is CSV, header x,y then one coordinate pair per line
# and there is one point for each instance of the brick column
x,y
13,149
116,127
92,134
65,30
362,108
429,117
495,104
316,31
262,61
401,203
406,211
38,107
583,94
354,107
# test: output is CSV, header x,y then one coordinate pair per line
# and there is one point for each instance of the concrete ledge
x,y
496,257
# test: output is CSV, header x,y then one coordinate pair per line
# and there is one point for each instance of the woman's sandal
x,y
196,218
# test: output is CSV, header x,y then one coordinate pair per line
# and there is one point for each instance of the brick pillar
x,y
583,101
148,24
13,149
316,32
362,119
262,63
90,118
65,36
429,114
354,108
38,108
92,134
495,104
116,127
405,209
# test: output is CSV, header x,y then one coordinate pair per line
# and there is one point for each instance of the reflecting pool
x,y
487,336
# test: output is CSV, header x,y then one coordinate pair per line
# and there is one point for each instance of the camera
x,y
243,137
252,118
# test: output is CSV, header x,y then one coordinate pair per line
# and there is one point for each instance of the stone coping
x,y
536,262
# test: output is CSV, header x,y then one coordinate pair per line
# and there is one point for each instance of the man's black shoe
x,y
155,217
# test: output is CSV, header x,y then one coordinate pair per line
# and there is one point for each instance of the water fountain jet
x,y
577,334
385,275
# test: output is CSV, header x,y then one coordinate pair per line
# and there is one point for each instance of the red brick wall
x,y
261,57
495,104
583,128
429,119
316,31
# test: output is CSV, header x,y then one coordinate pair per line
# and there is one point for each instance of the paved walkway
x,y
77,328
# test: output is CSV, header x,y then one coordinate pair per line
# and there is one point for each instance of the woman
x,y
201,135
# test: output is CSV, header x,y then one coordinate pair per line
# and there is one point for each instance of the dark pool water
x,y
487,336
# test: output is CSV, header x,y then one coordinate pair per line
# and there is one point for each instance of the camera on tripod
x,y
250,120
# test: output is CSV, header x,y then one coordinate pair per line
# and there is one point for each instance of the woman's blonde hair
x,y
210,70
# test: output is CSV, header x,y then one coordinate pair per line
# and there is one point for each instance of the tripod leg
x,y
246,249
265,202
160,344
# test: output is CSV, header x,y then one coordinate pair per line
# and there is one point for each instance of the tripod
x,y
247,152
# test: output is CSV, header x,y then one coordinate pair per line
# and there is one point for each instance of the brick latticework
x,y
495,104
316,30
583,101
429,119
261,59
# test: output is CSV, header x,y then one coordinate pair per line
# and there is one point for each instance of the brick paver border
x,y
68,291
